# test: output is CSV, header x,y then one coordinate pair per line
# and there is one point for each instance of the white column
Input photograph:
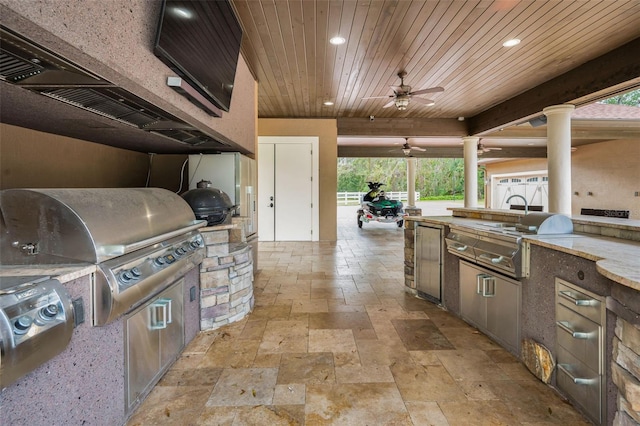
x,y
470,171
411,181
559,157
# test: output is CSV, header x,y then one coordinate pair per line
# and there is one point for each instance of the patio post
x,y
559,157
470,171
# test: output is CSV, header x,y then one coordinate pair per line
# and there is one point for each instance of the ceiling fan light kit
x,y
402,102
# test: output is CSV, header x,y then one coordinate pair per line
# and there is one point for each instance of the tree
x,y
630,98
435,177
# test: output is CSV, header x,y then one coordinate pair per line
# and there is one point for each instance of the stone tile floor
x,y
334,339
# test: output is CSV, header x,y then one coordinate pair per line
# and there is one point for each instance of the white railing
x,y
352,198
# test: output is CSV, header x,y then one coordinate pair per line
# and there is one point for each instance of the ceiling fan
x,y
482,149
402,94
407,148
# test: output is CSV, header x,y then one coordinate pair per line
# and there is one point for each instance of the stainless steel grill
x,y
141,239
499,245
36,324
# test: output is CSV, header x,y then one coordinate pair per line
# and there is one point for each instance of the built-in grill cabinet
x,y
492,303
580,343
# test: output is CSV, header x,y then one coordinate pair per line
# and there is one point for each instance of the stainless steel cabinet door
x,y
473,306
428,246
154,337
503,312
172,336
142,358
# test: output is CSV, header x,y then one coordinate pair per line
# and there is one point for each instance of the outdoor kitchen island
x,y
600,259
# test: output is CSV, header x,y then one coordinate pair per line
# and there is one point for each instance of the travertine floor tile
x,y
307,368
244,386
355,404
335,339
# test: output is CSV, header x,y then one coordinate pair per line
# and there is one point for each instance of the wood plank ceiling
x,y
454,44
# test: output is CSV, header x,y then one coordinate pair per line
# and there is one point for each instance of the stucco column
x,y
470,171
411,182
559,157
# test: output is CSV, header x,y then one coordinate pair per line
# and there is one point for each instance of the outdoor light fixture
x,y
511,43
402,102
406,151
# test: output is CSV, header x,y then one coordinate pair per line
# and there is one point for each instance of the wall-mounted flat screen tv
x,y
200,41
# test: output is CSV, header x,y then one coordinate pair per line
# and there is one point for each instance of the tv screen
x,y
200,41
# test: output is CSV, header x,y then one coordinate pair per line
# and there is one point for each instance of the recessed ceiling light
x,y
328,103
182,13
337,40
511,43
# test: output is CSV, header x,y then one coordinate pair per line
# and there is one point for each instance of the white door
x,y
266,192
285,192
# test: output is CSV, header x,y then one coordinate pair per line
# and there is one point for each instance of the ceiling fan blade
x,y
378,97
423,101
389,104
493,149
396,89
429,90
418,148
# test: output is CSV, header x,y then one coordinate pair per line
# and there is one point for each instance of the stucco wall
x,y
114,39
609,170
32,159
327,131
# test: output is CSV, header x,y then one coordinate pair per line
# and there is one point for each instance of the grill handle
x,y
120,249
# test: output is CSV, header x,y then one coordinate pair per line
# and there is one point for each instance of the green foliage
x,y
630,98
441,177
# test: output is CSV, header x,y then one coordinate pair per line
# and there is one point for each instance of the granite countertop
x,y
617,259
63,273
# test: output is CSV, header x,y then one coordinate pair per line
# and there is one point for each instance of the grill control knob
x,y
135,272
195,244
49,312
22,324
180,251
159,261
125,276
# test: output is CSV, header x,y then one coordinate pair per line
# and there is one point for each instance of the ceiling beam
x,y
617,67
436,152
578,131
401,127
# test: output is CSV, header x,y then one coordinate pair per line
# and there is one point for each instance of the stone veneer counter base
x,y
226,278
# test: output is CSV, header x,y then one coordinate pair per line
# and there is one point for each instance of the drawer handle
x,y
576,334
494,260
576,380
578,302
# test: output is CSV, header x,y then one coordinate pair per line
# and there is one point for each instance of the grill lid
x,y
88,224
545,223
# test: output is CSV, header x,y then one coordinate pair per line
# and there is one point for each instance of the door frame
x,y
315,170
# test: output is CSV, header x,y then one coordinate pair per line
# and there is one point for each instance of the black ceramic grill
x,y
210,204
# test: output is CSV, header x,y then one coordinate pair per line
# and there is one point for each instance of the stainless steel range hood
x,y
32,67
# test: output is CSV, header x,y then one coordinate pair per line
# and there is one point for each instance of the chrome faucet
x,y
526,206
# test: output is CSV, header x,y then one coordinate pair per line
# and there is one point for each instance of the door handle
x,y
160,314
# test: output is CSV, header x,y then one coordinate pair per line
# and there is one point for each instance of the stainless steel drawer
x,y
581,302
580,336
581,383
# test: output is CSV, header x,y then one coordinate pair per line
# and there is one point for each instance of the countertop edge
x,y
63,273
